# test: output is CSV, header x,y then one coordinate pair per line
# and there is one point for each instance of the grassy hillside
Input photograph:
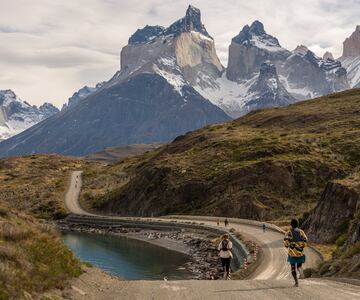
x,y
113,154
33,259
36,184
270,164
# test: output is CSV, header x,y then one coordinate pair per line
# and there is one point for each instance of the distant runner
x,y
225,254
295,240
226,222
264,227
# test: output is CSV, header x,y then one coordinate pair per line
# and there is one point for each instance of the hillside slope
x,y
36,184
33,258
270,164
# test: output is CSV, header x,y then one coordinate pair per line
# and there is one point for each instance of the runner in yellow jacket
x,y
295,240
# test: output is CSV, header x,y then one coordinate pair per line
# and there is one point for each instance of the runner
x,y
226,222
264,227
295,240
225,254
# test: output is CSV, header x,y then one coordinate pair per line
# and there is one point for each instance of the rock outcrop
x,y
351,45
328,55
249,49
351,57
180,53
306,75
267,91
332,216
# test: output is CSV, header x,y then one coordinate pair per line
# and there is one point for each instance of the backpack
x,y
224,245
296,236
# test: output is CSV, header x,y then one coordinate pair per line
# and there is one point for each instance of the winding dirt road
x,y
271,280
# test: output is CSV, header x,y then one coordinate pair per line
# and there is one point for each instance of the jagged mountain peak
x,y
7,96
301,49
146,34
255,35
268,91
268,77
191,22
257,28
328,56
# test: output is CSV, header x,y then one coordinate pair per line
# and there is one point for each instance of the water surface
x,y
127,258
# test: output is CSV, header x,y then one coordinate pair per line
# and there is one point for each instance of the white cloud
x,y
49,48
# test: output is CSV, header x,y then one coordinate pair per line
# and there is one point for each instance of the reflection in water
x,y
127,258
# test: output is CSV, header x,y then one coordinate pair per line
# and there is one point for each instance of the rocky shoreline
x,y
200,246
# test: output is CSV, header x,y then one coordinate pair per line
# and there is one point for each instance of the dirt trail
x,y
272,276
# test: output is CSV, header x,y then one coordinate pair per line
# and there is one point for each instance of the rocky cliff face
x,y
337,218
351,57
267,91
351,45
301,73
249,49
17,115
332,216
305,75
180,53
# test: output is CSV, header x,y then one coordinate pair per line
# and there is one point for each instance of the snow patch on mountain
x,y
352,65
230,96
171,72
17,115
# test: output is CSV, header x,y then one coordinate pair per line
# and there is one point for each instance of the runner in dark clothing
x,y
264,227
295,240
225,254
226,222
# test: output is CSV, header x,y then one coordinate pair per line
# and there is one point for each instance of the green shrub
x,y
341,240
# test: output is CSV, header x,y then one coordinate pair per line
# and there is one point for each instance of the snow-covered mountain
x,y
351,57
151,99
17,115
171,81
183,53
301,73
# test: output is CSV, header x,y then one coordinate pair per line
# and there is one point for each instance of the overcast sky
x,y
49,49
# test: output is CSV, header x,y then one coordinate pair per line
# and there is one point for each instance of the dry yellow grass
x,y
33,258
37,184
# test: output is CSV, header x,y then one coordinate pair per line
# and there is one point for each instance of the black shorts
x,y
225,262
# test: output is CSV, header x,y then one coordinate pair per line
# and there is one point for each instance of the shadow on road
x,y
254,289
